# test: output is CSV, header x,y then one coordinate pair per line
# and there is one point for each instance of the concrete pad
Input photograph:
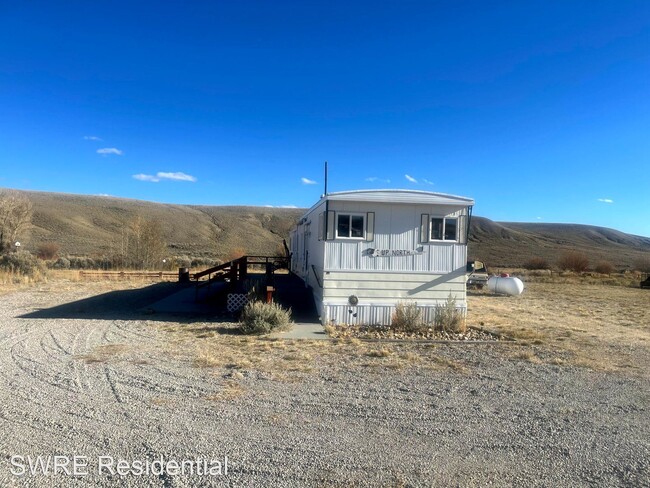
x,y
184,302
308,331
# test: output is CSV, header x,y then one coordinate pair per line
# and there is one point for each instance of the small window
x,y
451,225
444,229
436,229
350,226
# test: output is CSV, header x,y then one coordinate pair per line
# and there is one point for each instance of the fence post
x,y
243,268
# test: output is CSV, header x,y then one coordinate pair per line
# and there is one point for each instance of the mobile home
x,y
362,252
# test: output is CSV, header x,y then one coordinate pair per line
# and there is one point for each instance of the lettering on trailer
x,y
381,253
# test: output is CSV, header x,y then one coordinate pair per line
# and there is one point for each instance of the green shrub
x,y
61,263
183,261
22,262
407,317
258,317
198,262
448,318
81,262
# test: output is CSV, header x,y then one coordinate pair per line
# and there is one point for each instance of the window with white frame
x,y
444,229
350,226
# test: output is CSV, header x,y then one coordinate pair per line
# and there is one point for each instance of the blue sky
x,y
538,110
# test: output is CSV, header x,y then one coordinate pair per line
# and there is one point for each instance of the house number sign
x,y
381,253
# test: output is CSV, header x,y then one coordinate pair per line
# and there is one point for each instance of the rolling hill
x,y
92,226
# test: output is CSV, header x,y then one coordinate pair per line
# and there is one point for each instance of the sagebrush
x,y
22,263
407,317
259,317
448,318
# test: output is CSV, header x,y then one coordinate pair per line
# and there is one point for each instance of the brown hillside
x,y
510,244
92,226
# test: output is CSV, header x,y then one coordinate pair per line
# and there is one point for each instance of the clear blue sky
x,y
538,110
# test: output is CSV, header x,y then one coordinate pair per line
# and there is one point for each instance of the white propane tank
x,y
505,285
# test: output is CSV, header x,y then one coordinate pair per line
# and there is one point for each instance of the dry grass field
x,y
563,323
602,327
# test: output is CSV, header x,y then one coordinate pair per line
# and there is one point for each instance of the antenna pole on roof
x,y
325,177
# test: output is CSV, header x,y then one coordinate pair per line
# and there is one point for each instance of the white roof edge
x,y
394,196
336,195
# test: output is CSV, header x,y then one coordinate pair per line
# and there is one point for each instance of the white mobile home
x,y
361,252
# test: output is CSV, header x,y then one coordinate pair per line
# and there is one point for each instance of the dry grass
x,y
103,354
229,391
383,352
561,323
601,327
287,360
11,281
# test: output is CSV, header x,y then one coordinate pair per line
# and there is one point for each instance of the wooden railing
x,y
235,271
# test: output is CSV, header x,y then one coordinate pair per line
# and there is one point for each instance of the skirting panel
x,y
372,314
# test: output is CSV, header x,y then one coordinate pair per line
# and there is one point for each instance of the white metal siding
x,y
397,227
390,287
346,267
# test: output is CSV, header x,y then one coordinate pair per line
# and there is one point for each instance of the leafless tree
x,y
142,245
15,217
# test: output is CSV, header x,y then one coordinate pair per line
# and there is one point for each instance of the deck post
x,y
243,268
233,274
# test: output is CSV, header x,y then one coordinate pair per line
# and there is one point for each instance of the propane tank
x,y
505,286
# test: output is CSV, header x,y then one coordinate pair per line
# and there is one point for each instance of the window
x,y
350,226
444,229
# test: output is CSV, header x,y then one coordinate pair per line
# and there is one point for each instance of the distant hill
x,y
92,226
509,244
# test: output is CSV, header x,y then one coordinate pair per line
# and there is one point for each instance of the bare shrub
x,y
406,317
449,318
15,217
261,318
604,267
141,245
22,262
236,253
536,263
47,250
573,261
642,264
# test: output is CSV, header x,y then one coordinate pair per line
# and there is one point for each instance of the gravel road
x,y
88,379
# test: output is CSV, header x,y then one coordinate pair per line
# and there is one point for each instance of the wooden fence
x,y
127,275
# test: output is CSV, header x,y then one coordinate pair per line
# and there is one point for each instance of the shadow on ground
x,y
131,305
174,302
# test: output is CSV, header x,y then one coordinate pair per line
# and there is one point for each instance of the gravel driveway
x,y
89,380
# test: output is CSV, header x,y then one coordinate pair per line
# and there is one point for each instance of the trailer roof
x,y
395,196
399,196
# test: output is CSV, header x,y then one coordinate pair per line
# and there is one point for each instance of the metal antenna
x,y
325,177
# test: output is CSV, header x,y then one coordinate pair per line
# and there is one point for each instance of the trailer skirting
x,y
374,314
